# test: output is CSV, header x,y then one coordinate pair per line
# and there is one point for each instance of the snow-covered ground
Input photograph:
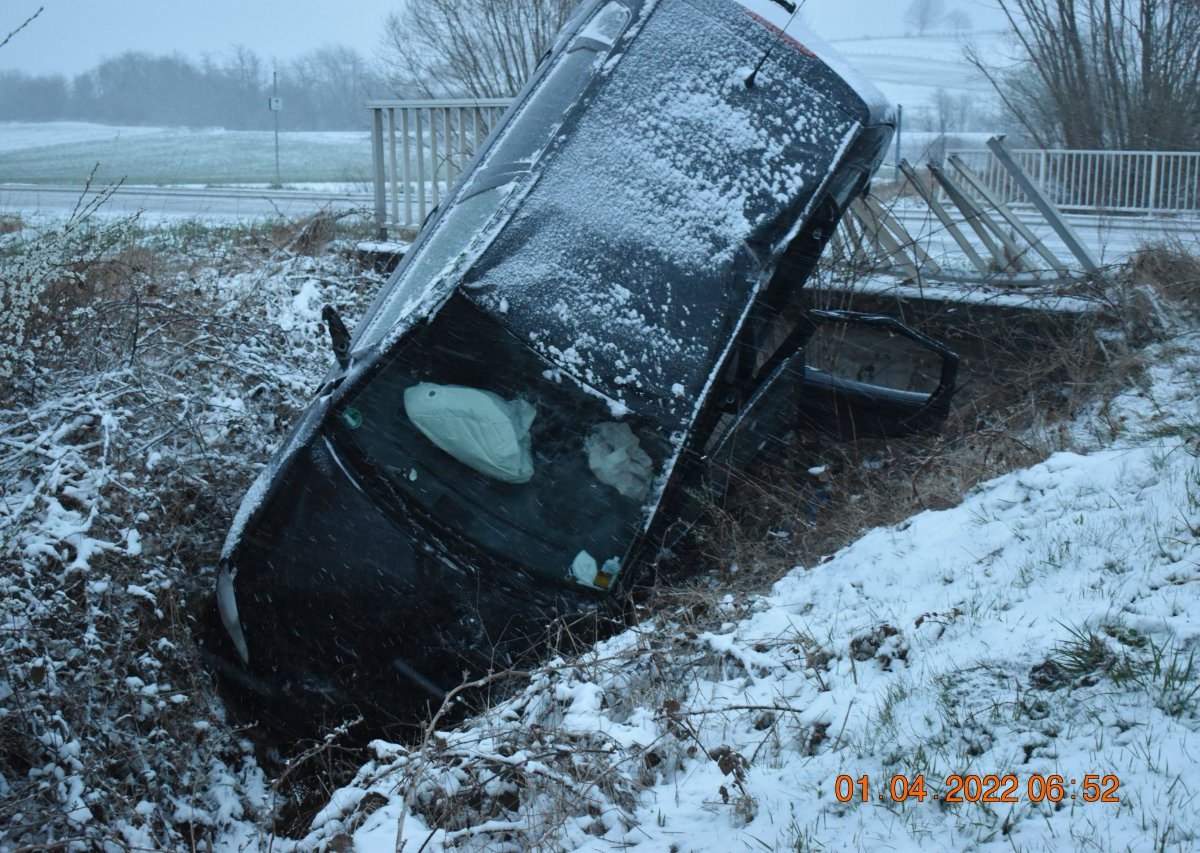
x,y
39,203
1044,632
17,135
1046,626
131,422
66,152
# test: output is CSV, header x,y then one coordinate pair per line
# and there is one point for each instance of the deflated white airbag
x,y
478,428
616,458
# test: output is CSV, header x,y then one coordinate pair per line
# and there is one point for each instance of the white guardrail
x,y
419,149
1097,181
421,146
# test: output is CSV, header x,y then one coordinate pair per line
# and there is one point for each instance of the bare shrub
x,y
1171,266
1120,74
311,235
478,48
34,278
171,378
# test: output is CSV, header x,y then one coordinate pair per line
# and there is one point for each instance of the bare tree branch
x,y
468,48
1104,73
24,24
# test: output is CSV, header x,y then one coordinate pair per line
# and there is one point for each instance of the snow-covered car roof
x,y
783,16
628,245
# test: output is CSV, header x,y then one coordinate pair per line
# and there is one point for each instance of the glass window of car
x,y
522,463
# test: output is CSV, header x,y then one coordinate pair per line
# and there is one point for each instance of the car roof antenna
x,y
338,336
794,8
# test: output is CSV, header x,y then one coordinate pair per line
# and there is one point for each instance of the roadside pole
x,y
275,104
899,131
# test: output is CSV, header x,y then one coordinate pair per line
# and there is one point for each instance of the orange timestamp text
x,y
970,788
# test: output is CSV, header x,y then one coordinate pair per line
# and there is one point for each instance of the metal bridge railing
x,y
1097,181
419,149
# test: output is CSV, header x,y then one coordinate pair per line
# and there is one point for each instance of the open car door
x,y
848,374
870,375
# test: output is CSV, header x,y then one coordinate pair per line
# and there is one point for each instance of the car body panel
x,y
607,297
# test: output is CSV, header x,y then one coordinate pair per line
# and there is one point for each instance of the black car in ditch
x,y
602,315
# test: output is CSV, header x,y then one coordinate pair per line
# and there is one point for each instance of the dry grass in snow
x,y
151,373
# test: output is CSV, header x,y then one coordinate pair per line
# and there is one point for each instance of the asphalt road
x,y
205,203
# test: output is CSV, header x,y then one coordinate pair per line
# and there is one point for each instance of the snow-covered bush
x,y
160,380
37,278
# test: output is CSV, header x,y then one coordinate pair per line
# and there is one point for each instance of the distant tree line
x,y
429,48
322,90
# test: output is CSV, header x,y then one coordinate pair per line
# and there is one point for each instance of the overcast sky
x,y
72,36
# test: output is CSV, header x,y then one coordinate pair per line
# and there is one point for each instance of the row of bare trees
x,y
454,48
1118,74
1094,73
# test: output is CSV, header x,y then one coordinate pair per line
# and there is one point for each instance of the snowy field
x,y
44,203
909,71
66,152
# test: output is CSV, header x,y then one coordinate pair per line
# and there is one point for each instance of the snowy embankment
x,y
1048,625
145,378
1045,626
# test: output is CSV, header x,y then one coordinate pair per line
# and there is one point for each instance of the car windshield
x,y
495,446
